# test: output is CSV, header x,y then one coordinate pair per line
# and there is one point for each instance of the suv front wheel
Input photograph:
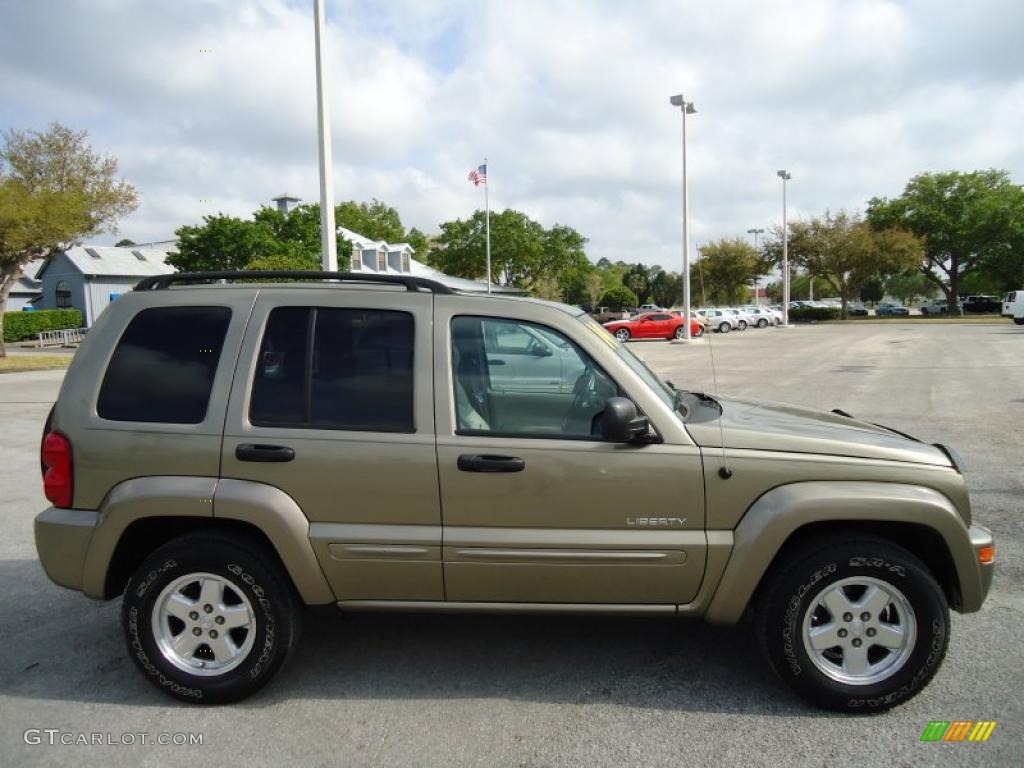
x,y
855,627
209,619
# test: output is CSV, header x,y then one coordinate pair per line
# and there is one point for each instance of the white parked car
x,y
763,317
718,320
743,319
935,307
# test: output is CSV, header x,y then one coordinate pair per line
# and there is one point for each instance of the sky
x,y
204,100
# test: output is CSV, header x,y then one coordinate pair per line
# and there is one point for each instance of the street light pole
x,y
785,176
686,107
328,234
757,278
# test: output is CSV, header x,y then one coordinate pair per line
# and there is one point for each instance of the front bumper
x,y
62,541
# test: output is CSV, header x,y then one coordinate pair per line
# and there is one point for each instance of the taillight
x,y
58,480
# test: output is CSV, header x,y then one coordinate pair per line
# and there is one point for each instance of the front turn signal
x,y
987,554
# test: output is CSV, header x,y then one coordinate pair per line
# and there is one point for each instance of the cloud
x,y
568,100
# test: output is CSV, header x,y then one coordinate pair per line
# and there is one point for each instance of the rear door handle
x,y
253,452
474,462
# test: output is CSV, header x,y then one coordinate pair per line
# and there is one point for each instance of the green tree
x,y
872,290
845,252
522,251
725,270
124,243
618,297
638,279
54,191
666,288
376,220
909,286
969,222
225,242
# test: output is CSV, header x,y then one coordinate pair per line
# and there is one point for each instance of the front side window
x,y
163,367
345,369
520,379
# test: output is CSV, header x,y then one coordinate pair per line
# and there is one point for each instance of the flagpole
x,y
487,210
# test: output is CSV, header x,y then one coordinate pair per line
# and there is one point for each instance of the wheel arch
x,y
793,517
142,514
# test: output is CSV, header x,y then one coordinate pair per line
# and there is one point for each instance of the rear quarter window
x,y
163,367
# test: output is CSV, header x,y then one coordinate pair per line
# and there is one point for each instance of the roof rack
x,y
413,284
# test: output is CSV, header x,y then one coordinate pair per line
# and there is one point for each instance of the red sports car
x,y
653,325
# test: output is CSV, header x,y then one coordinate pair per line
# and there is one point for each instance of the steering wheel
x,y
584,391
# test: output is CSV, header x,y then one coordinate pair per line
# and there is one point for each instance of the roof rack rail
x,y
162,282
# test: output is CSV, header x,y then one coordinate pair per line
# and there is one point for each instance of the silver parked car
x,y
718,320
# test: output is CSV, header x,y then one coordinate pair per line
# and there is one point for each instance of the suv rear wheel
x,y
855,627
209,618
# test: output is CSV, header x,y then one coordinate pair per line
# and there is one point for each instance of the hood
x,y
776,427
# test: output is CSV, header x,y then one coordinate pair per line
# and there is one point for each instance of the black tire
x,y
743,325
680,332
249,571
1019,320
623,334
794,588
762,323
699,333
724,327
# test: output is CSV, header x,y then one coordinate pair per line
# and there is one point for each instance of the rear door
x,y
332,404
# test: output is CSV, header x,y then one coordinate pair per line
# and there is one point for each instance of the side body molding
x,y
781,511
275,513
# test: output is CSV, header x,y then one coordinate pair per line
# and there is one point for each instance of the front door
x,y
536,507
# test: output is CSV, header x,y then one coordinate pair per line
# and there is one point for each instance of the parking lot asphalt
x,y
494,691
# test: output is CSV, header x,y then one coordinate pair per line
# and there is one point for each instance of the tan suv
x,y
226,453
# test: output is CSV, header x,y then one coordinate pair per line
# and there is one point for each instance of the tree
x,y
872,290
846,253
225,242
375,220
618,298
522,251
725,270
54,191
124,243
969,222
638,279
666,288
909,286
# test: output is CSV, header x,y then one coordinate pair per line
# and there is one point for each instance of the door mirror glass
x,y
620,422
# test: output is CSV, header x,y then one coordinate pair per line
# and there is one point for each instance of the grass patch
x,y
17,363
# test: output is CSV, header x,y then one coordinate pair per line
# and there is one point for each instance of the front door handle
x,y
253,452
474,462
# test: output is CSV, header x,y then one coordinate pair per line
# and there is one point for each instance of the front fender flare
x,y
776,515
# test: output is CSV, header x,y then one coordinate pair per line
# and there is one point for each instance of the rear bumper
x,y
62,541
972,600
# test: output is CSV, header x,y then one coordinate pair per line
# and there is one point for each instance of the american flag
x,y
478,176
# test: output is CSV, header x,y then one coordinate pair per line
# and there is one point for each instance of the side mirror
x,y
620,423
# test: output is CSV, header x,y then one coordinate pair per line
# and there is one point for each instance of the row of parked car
x,y
650,322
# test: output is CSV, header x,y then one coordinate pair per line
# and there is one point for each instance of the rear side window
x,y
347,369
163,367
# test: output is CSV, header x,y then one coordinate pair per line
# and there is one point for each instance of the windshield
x,y
638,366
